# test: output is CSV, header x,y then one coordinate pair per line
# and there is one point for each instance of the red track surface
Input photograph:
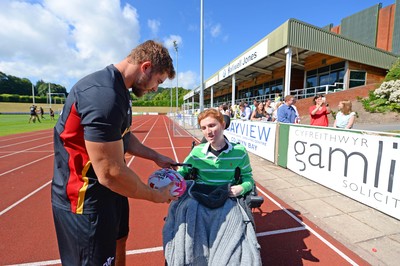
x,y
27,234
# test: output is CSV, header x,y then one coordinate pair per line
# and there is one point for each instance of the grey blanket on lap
x,y
196,235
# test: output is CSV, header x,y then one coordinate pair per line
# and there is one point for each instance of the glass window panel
x,y
311,72
311,81
341,76
357,75
324,80
323,69
332,78
356,83
276,89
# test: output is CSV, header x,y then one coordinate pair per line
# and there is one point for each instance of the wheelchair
x,y
252,199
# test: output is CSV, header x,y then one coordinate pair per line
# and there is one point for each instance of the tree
x,y
394,72
14,85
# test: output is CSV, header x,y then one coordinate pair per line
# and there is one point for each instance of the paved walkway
x,y
378,127
374,236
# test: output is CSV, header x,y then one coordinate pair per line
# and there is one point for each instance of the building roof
x,y
305,40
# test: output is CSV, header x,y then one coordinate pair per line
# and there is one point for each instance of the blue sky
x,y
60,41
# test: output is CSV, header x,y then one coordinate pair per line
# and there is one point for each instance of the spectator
x,y
268,108
278,98
259,113
245,111
319,111
286,112
297,119
275,112
345,117
254,105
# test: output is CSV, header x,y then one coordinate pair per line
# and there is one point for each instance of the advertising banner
x,y
257,137
360,166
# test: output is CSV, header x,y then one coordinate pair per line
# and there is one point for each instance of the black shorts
x,y
90,239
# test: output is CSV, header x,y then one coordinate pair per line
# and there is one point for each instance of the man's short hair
x,y
157,54
288,97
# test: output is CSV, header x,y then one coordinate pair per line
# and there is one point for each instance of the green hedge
x,y
14,98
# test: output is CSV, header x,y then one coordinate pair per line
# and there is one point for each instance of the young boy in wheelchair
x,y
208,225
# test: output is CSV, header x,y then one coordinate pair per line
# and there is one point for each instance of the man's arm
x,y
108,162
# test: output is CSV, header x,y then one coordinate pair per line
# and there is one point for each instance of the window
x,y
260,91
357,78
327,75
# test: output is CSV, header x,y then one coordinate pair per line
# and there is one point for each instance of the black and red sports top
x,y
98,109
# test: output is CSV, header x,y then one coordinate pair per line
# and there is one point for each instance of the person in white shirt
x,y
345,117
245,111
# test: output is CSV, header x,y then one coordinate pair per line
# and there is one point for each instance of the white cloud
x,y
154,26
215,30
187,80
62,41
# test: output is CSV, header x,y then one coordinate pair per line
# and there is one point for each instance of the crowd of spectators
x,y
284,110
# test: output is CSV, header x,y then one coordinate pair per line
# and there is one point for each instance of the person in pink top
x,y
319,111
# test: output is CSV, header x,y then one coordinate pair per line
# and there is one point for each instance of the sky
x,y
61,41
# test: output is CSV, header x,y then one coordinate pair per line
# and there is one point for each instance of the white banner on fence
x,y
361,166
257,137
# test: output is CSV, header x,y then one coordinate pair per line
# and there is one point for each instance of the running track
x,y
27,235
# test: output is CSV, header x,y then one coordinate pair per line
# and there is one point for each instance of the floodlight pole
x,y
49,95
201,101
33,93
177,74
170,108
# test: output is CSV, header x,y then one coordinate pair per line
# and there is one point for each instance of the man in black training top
x,y
91,180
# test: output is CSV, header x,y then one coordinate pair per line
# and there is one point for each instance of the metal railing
x,y
299,94
312,91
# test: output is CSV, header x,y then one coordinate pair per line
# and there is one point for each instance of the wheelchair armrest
x,y
252,198
256,201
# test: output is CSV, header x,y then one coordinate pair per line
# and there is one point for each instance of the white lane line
x,y
10,154
6,139
23,142
329,244
144,250
133,157
170,140
24,198
54,262
19,167
189,135
281,231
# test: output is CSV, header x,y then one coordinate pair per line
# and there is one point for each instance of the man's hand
x,y
164,161
164,194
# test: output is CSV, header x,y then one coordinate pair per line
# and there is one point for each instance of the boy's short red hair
x,y
213,113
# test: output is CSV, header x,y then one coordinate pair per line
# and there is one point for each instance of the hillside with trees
x,y
15,89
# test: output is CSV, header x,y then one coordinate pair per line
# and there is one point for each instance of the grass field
x,y
24,108
13,124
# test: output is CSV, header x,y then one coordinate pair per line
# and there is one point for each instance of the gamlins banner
x,y
364,167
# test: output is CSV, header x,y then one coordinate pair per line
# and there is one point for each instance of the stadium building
x,y
302,59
